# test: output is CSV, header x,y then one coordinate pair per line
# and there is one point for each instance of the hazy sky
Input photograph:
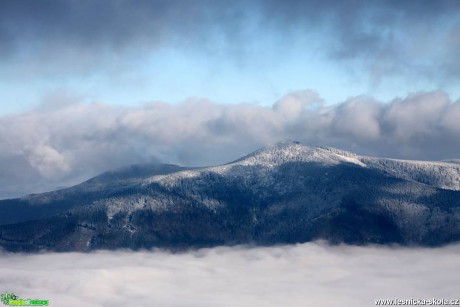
x,y
308,274
87,86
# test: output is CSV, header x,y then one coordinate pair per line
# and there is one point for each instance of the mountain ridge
x,y
287,193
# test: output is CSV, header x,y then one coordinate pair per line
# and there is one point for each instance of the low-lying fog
x,y
311,274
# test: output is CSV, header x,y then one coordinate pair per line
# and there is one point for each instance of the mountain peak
x,y
293,151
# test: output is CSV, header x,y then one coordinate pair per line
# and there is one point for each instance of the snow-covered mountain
x,y
283,194
438,174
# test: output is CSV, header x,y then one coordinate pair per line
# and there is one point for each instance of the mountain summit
x,y
287,193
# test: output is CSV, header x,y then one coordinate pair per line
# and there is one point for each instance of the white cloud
x,y
450,118
55,146
419,114
48,161
311,274
359,118
292,105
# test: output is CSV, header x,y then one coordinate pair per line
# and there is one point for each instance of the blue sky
x,y
225,51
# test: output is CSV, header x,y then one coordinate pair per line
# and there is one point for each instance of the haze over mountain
x,y
288,193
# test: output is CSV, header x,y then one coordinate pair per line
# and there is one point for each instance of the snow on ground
x,y
438,174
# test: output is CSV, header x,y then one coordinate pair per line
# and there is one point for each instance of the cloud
x,y
294,103
82,36
385,38
359,116
62,145
311,274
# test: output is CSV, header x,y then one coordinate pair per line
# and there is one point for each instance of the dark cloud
x,y
310,274
65,140
405,38
409,38
93,32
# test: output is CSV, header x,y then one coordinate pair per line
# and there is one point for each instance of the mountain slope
x,y
284,194
36,206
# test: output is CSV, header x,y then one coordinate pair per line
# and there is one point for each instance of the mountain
x,y
288,193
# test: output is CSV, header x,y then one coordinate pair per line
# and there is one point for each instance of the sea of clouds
x,y
310,274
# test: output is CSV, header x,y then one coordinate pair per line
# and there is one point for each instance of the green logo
x,y
10,299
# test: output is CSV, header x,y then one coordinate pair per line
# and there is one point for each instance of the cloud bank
x,y
62,144
309,274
